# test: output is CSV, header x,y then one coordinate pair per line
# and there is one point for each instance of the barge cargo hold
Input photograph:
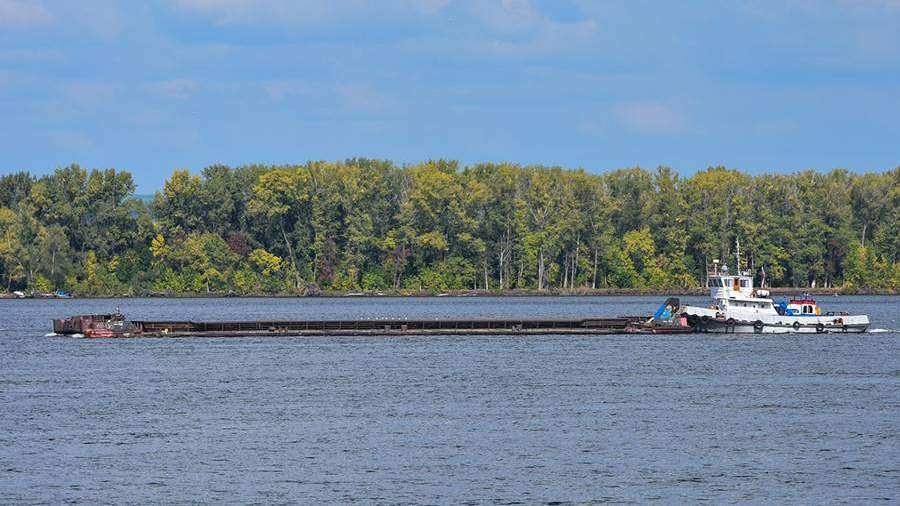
x,y
115,325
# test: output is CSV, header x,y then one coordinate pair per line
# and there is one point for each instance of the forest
x,y
364,225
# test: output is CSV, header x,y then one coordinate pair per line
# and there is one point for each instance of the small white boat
x,y
741,309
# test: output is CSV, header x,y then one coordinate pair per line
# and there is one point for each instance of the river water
x,y
477,420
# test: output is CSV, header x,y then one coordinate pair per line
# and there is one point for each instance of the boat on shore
x,y
18,294
739,308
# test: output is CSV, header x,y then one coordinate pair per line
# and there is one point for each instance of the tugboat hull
x,y
706,320
717,326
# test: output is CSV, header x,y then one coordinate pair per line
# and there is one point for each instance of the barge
x,y
115,325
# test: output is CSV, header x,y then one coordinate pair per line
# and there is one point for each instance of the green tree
x,y
281,199
371,224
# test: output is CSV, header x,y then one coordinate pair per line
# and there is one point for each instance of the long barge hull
x,y
117,326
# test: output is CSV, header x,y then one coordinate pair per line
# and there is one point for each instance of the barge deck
x,y
115,325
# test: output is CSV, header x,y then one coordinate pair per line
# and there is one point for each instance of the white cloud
x,y
103,18
20,13
649,117
294,12
237,12
519,29
429,7
492,28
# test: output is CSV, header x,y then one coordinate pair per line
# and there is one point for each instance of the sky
x,y
151,86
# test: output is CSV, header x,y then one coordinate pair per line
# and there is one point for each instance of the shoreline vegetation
x,y
512,293
369,227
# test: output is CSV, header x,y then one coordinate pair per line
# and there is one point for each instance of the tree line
x,y
373,225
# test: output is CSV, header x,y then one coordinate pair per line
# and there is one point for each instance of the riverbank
x,y
581,292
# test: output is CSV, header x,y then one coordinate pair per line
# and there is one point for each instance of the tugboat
x,y
741,309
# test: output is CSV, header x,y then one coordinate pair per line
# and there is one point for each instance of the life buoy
x,y
729,322
820,328
796,325
758,325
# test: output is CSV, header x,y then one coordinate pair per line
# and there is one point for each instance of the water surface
x,y
444,419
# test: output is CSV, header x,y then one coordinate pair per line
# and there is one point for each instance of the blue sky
x,y
151,86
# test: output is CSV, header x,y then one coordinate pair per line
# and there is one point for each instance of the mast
x,y
737,254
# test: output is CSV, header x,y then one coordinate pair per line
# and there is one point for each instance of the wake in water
x,y
52,334
880,331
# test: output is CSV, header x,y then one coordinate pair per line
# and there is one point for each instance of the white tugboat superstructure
x,y
740,308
